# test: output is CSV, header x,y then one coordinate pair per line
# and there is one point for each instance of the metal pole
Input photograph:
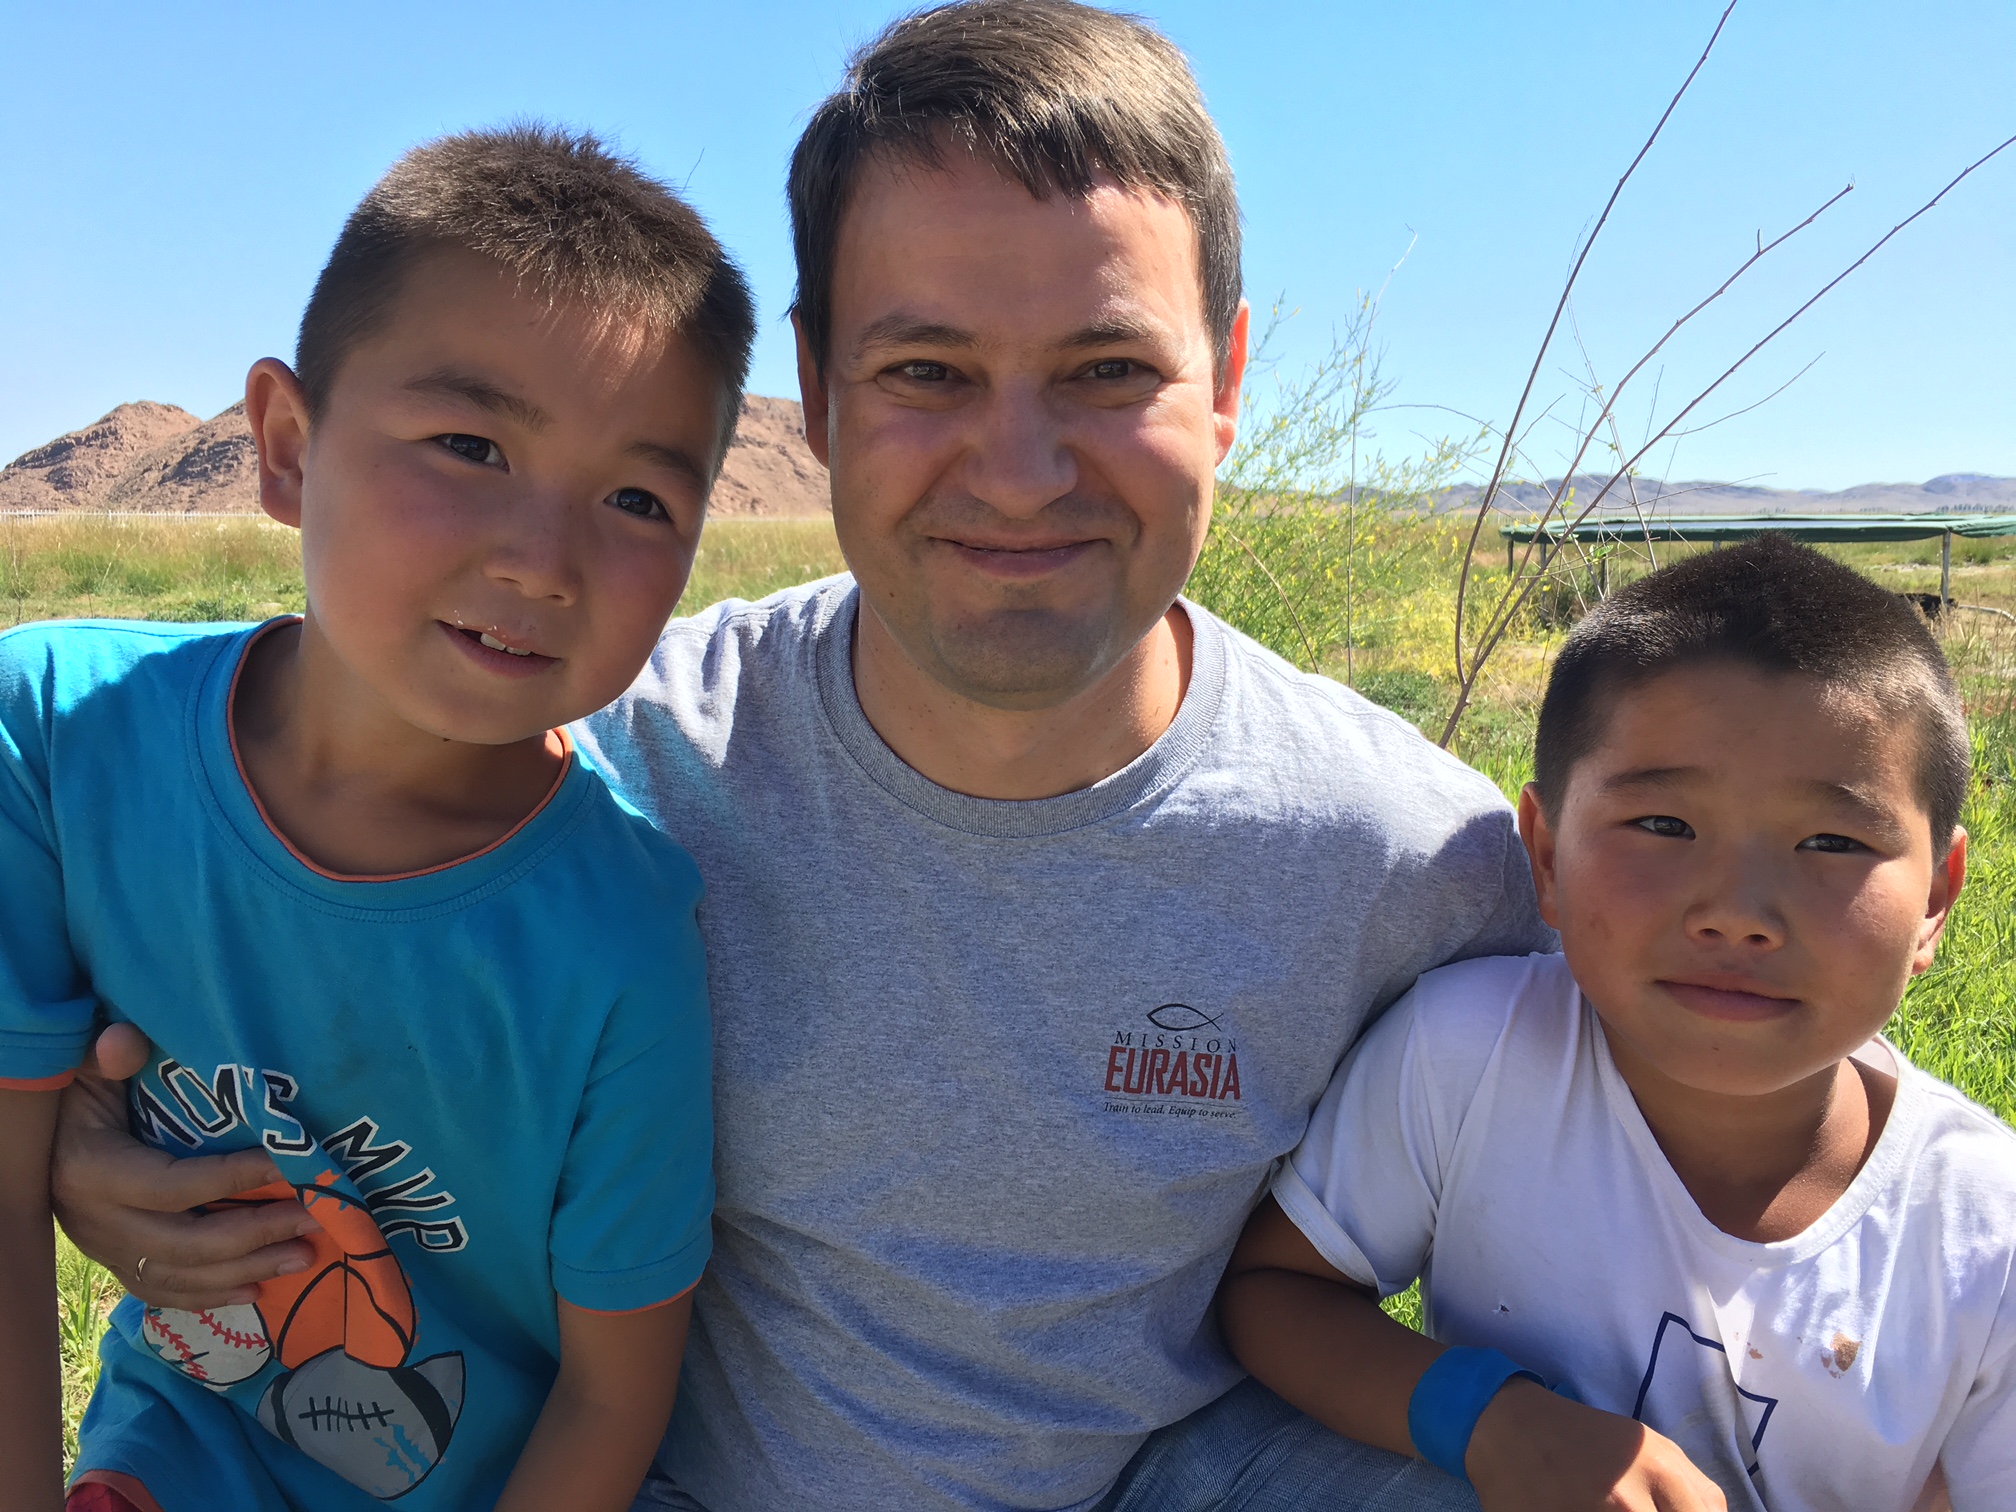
x,y
1945,570
1509,568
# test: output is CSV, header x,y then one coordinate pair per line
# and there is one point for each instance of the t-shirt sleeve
x,y
1979,1456
46,1006
1513,927
1365,1184
632,1223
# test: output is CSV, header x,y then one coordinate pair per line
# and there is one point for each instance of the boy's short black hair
x,y
1777,606
575,222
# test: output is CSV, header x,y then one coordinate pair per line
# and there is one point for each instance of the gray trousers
x,y
1249,1451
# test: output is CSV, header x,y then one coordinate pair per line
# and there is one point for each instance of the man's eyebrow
x,y
676,458
482,393
1115,330
900,329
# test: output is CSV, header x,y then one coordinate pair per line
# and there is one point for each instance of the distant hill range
x,y
1953,493
152,458
156,459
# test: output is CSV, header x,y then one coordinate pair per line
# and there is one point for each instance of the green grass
x,y
85,1292
1958,1021
106,567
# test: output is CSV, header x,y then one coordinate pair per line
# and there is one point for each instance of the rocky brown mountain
x,y
156,459
87,463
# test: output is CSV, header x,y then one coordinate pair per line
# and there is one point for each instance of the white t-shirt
x,y
1481,1138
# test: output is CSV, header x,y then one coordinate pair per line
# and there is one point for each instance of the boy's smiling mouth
x,y
496,653
1729,999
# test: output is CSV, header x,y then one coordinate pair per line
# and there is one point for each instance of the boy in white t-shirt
x,y
1672,1174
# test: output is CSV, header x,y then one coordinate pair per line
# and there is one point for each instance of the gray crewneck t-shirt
x,y
997,1083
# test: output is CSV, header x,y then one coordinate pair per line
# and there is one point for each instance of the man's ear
x,y
812,393
1231,380
276,408
1538,836
1948,878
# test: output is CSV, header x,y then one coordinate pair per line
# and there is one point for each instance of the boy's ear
x,y
1948,878
1538,836
812,393
276,408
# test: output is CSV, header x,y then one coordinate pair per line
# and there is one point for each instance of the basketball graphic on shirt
x,y
381,1429
218,1346
352,1297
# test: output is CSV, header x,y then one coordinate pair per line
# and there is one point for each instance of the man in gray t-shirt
x,y
1040,906
997,1083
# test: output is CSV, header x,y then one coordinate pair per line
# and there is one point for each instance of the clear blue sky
x,y
172,175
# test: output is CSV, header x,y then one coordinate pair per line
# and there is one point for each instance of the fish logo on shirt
x,y
1186,1063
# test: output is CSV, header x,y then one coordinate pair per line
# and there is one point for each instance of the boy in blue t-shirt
x,y
348,876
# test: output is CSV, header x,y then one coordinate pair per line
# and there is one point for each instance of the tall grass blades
x,y
139,567
1308,550
85,1294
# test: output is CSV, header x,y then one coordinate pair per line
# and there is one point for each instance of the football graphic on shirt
x,y
218,1346
343,1328
381,1429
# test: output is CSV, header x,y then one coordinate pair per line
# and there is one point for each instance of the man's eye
x,y
925,372
1665,825
1111,369
1832,845
475,448
646,506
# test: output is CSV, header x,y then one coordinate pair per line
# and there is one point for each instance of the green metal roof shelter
x,y
1844,527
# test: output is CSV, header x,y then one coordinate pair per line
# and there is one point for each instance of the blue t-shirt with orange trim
x,y
489,1082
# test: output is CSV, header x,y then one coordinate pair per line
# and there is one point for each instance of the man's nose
x,y
1018,459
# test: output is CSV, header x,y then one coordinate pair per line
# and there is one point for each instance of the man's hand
x,y
1534,1451
124,1204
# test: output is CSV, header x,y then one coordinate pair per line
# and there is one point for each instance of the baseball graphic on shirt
x,y
218,1346
381,1430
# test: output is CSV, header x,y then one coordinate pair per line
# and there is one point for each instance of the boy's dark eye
x,y
475,448
646,506
1832,845
1665,825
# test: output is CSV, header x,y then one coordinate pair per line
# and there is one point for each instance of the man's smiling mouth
x,y
1012,560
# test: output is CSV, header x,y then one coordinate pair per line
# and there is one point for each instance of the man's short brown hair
x,y
576,223
1053,92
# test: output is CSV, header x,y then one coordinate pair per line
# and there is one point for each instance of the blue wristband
x,y
1443,1411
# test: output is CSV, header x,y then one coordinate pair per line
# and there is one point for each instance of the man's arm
x,y
31,1419
122,1202
602,1422
1318,1340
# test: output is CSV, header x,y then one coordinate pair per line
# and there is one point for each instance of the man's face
x,y
1022,421
1743,876
493,475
